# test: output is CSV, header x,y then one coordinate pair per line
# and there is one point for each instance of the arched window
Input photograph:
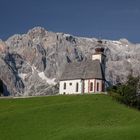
x,y
64,85
77,86
97,86
91,86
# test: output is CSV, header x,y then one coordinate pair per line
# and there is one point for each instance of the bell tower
x,y
99,55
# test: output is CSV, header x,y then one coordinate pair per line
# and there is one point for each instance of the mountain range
x,y
31,64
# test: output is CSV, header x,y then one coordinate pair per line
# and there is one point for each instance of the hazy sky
x,y
110,19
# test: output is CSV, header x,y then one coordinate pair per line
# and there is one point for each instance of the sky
x,y
106,19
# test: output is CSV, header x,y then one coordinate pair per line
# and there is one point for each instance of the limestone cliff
x,y
32,63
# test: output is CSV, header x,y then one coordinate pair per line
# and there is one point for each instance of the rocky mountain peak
x,y
32,63
37,32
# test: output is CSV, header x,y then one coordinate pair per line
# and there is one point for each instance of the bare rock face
x,y
12,83
3,47
32,63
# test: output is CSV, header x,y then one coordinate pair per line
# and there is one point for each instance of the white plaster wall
x,y
85,86
70,89
97,57
87,90
94,81
100,85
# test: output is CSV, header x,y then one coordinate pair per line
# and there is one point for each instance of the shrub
x,y
128,93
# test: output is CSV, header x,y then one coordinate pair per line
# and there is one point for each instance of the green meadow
x,y
76,117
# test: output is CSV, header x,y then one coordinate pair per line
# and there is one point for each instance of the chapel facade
x,y
85,77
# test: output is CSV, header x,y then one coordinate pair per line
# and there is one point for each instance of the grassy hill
x,y
88,117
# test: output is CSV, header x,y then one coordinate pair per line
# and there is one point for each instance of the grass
x,y
88,117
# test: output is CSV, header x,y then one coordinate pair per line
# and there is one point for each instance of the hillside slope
x,y
88,117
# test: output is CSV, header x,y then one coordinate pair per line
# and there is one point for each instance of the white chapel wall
x,y
97,57
87,88
87,85
100,82
70,87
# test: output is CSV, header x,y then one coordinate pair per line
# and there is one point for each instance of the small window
x,y
97,86
77,86
64,85
70,84
91,86
64,93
